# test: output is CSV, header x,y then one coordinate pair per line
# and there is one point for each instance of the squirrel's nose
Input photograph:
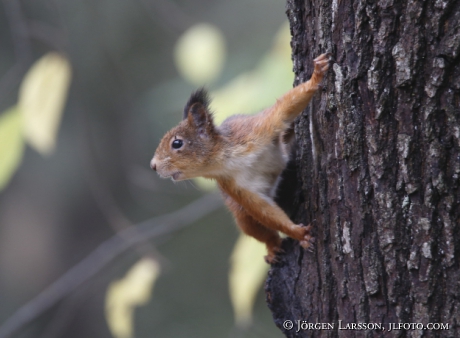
x,y
153,165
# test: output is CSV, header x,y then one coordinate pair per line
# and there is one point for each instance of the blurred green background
x,y
125,93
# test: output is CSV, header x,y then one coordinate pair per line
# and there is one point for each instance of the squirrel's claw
x,y
308,240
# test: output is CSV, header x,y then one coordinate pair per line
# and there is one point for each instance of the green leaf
x,y
124,295
42,96
247,273
11,144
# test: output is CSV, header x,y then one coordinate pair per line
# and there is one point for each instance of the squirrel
x,y
245,155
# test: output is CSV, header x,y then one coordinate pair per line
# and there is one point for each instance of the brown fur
x,y
245,155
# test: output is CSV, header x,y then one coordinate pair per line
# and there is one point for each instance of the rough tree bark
x,y
378,166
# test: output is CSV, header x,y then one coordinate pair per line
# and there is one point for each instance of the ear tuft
x,y
201,97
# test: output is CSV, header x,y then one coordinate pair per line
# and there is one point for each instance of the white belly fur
x,y
259,172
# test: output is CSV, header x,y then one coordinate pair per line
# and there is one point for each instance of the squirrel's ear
x,y
197,112
200,118
201,97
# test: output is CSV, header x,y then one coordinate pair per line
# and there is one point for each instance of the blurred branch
x,y
64,314
101,194
104,254
116,219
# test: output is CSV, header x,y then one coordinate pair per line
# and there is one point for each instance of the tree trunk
x,y
378,165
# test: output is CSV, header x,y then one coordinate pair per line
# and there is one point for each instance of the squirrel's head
x,y
189,149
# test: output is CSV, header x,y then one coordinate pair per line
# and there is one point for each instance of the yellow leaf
x,y
200,54
11,144
42,96
247,273
124,295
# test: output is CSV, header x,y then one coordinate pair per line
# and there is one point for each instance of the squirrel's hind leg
x,y
263,234
253,228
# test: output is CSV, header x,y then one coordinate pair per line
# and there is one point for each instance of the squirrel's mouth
x,y
176,176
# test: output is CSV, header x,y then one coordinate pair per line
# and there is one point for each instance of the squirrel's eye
x,y
177,144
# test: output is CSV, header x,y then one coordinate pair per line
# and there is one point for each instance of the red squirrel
x,y
245,155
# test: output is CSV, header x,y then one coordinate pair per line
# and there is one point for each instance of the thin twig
x,y
104,254
101,194
64,313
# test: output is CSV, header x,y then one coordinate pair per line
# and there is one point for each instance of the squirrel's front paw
x,y
321,64
307,240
